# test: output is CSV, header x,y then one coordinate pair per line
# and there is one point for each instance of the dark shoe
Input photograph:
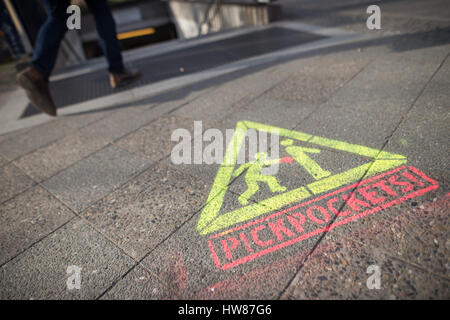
x,y
120,79
37,90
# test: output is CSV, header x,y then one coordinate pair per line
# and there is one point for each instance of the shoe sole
x,y
127,82
37,100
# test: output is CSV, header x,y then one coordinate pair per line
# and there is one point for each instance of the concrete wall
x,y
195,18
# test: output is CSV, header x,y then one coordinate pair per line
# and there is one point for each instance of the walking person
x,y
254,175
34,79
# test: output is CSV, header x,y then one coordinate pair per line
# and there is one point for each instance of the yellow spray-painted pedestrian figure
x,y
300,156
254,175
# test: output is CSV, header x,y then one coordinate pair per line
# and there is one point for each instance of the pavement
x,y
96,189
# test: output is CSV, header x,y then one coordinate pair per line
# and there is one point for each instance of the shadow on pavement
x,y
397,43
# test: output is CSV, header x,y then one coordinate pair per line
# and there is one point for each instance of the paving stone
x,y
3,161
9,135
219,103
95,176
205,172
28,218
335,68
415,231
32,139
280,113
226,127
45,162
338,270
140,285
145,211
118,124
316,82
186,255
172,100
423,135
13,181
78,121
369,108
263,282
41,272
154,140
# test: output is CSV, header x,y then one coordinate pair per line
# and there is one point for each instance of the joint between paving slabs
x,y
323,235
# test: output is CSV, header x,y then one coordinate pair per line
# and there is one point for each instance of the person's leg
x,y
106,28
272,182
50,36
34,79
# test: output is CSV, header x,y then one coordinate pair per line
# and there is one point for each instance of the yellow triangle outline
x,y
209,220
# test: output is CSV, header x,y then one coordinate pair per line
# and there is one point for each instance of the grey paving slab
x,y
396,17
423,136
210,162
415,231
205,171
3,161
280,113
330,67
368,109
304,87
317,79
45,162
95,176
139,284
170,100
211,107
154,140
338,270
41,272
13,181
119,123
285,114
28,218
9,135
32,139
264,281
218,103
264,111
186,249
81,120
141,214
217,134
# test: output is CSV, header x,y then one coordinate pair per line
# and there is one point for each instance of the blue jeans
x,y
53,30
